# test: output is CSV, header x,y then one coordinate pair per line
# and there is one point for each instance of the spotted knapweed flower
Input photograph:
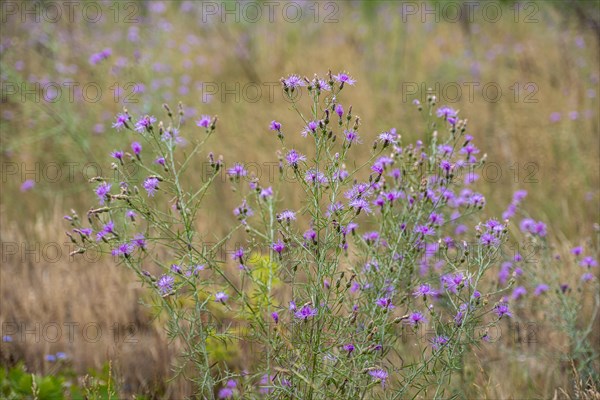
x,y
238,255
501,309
7,338
439,341
306,312
144,123
488,239
165,284
275,316
287,216
315,177
351,137
136,147
139,241
237,171
275,126
109,227
121,122
587,277
265,193
204,121
102,191
117,154
344,78
349,347
379,374
360,205
539,289
518,292
160,161
293,158
50,358
310,235
425,290
446,112
588,262
416,318
124,249
225,393
27,185
221,297
385,303
311,128
151,185
293,81
339,110
243,211
278,246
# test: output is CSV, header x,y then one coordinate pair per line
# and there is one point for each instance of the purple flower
x,y
344,78
102,191
425,290
275,126
541,288
221,297
305,312
287,216
587,277
238,255
7,338
339,110
371,237
136,147
315,177
204,121
278,246
160,161
501,309
488,239
310,235
275,316
293,81
588,262
50,358
266,193
292,305
577,250
123,249
311,128
351,137
360,205
446,112
243,211
117,154
379,374
27,185
416,318
165,284
293,158
151,186
385,303
121,121
144,123
348,347
237,171
139,241
109,227
225,393
439,341
518,292
424,230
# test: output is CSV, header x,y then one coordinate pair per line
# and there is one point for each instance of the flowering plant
x,y
377,252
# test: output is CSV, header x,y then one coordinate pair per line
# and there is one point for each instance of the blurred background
x,y
525,74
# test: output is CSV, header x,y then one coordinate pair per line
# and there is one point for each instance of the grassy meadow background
x,y
541,134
